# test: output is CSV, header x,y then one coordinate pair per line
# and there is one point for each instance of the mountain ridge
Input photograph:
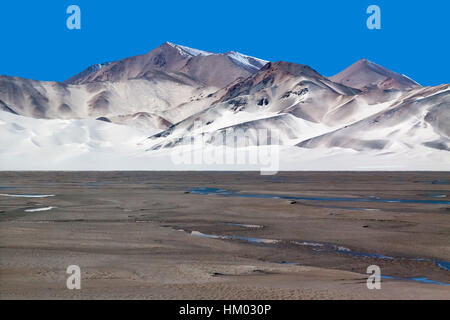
x,y
366,109
172,58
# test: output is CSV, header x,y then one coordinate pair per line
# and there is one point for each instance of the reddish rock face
x,y
170,60
367,75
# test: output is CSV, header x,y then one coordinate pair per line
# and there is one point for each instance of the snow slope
x,y
42,144
419,118
294,100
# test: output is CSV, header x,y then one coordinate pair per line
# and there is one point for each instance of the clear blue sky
x,y
326,35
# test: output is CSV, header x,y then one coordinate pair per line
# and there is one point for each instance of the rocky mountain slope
x,y
365,74
154,90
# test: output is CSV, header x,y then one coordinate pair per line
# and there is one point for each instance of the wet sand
x,y
149,235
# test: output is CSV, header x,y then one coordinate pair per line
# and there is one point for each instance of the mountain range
x,y
142,107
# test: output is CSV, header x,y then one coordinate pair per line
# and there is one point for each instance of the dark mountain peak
x,y
271,74
365,74
167,57
289,68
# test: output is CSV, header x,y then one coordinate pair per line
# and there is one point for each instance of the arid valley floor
x,y
188,235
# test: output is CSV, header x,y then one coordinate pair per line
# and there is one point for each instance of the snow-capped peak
x,y
240,59
245,61
190,51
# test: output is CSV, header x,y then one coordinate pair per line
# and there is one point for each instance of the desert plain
x,y
224,235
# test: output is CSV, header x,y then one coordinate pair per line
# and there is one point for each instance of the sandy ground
x,y
130,233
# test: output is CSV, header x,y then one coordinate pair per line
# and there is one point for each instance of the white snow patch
x,y
243,60
246,61
190,51
404,75
39,209
27,195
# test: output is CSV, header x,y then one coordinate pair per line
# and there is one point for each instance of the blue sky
x,y
326,35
